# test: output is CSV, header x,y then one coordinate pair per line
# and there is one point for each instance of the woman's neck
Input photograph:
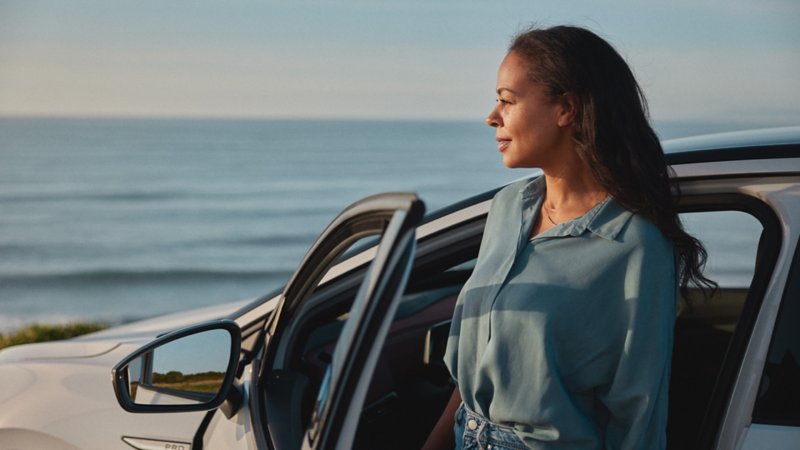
x,y
571,192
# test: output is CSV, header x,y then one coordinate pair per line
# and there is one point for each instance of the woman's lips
x,y
502,144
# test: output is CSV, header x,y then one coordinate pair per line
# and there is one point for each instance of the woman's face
x,y
531,129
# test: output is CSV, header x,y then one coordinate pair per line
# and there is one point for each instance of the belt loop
x,y
458,411
478,433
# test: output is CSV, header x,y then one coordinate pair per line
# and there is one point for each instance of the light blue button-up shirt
x,y
567,337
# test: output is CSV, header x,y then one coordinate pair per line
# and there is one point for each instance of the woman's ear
x,y
569,109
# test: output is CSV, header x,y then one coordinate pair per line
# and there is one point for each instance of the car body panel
x,y
735,139
56,350
766,167
56,388
148,329
21,438
85,413
236,432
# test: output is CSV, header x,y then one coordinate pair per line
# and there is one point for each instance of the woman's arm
x,y
637,397
442,436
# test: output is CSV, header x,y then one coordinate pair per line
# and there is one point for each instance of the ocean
x,y
116,220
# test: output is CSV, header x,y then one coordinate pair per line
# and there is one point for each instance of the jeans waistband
x,y
487,435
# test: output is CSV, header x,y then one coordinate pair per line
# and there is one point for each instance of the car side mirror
x,y
191,369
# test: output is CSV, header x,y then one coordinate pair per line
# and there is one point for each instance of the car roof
x,y
739,145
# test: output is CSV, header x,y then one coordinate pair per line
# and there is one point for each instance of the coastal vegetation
x,y
48,332
195,382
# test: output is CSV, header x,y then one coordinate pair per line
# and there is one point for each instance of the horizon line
x,y
316,118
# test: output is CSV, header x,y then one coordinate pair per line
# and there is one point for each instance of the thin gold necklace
x,y
544,207
548,216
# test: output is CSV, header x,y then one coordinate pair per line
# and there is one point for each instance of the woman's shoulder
x,y
643,228
640,231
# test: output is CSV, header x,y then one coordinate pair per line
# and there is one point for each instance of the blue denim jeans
x,y
473,432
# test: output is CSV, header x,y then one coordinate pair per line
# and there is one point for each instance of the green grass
x,y
45,333
194,382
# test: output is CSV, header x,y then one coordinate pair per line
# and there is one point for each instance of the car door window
x,y
731,239
281,386
404,388
402,380
408,393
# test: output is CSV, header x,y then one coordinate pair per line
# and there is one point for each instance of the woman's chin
x,y
512,163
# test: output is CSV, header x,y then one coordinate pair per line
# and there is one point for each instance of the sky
x,y
715,60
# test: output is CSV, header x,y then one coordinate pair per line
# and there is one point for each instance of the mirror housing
x,y
170,390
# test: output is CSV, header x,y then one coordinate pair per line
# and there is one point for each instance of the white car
x,y
349,354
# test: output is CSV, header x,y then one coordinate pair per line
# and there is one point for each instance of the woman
x,y
562,337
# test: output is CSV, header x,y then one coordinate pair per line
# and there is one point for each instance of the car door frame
x,y
740,185
394,216
771,246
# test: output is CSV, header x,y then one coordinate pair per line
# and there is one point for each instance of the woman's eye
x,y
505,102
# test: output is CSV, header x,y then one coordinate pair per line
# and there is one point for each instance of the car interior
x,y
410,385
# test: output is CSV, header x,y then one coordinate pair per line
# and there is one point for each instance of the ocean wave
x,y
143,276
73,196
303,239
61,245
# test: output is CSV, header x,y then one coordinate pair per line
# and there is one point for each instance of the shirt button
x,y
472,424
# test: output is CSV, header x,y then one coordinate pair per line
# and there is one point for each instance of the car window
x,y
402,380
364,297
778,400
731,239
703,331
428,300
405,389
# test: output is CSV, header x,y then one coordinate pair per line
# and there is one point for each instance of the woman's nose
x,y
494,119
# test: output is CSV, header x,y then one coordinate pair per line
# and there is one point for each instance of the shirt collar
x,y
609,220
606,219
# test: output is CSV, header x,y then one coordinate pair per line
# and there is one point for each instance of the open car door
x,y
278,416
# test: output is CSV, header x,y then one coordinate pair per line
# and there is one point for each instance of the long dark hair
x,y
612,133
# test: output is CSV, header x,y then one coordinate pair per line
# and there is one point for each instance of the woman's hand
x,y
442,437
